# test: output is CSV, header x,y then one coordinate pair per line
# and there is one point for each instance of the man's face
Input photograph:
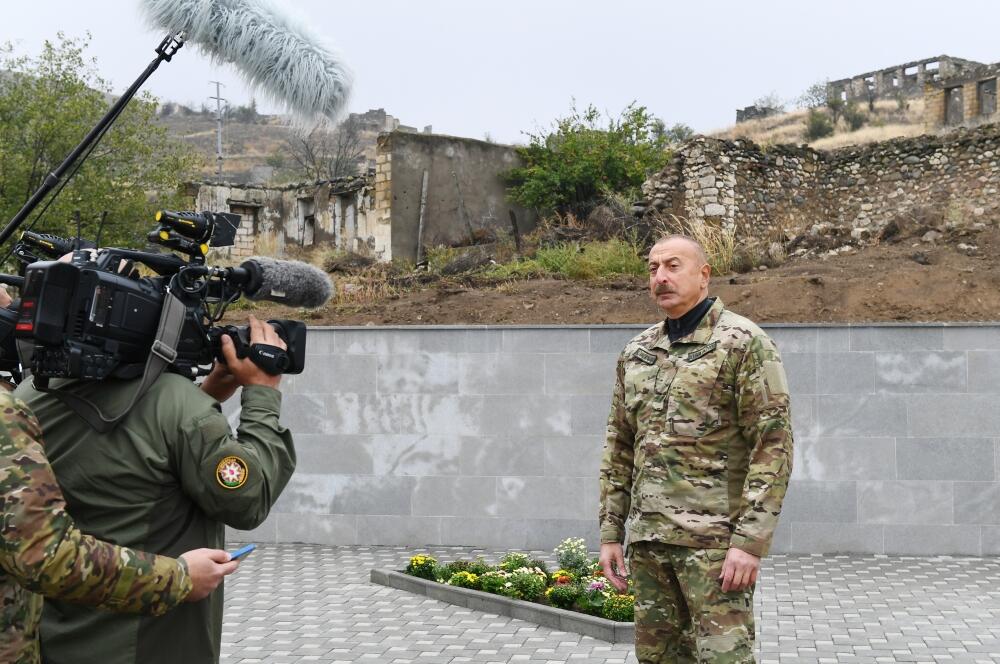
x,y
678,277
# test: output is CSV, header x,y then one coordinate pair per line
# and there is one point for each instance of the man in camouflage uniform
x,y
696,464
43,551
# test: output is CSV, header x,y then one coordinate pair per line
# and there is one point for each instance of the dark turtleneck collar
x,y
686,324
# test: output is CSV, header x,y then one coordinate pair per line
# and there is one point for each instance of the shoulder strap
x,y
162,353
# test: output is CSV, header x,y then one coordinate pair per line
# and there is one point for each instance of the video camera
x,y
94,317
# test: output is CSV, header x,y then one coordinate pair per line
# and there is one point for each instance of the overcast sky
x,y
472,67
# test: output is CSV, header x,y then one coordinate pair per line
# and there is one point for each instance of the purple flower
x,y
596,585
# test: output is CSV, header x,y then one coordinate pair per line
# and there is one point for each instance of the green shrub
x,y
619,607
854,117
464,580
818,125
493,581
422,566
593,596
539,564
514,560
457,566
524,584
563,596
572,556
479,567
592,260
442,573
580,160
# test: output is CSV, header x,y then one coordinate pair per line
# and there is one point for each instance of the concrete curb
x,y
547,616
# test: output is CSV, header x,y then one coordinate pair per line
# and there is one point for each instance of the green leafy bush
x,y
538,564
854,117
619,607
593,259
479,567
514,560
563,596
464,580
572,556
493,581
818,125
422,566
582,159
593,596
525,584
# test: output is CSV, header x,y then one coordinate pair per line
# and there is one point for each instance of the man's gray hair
x,y
702,255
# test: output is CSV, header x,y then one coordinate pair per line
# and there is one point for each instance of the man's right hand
x,y
245,371
207,567
613,563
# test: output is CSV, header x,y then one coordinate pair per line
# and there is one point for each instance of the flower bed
x,y
578,585
576,597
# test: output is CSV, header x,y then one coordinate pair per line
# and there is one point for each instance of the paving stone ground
x,y
310,603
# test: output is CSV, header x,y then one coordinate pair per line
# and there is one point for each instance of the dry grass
x,y
888,121
719,242
777,129
868,134
368,286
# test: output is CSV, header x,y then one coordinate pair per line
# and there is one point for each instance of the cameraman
x,y
166,479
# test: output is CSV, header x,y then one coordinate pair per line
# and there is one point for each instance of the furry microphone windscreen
x,y
274,53
294,283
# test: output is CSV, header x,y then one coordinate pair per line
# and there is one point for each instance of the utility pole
x,y
218,128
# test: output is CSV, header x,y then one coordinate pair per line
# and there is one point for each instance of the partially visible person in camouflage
x,y
43,552
695,467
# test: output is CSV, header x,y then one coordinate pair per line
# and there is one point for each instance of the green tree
x,y
678,133
814,96
47,104
584,159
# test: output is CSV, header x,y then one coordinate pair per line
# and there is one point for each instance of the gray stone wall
x,y
492,437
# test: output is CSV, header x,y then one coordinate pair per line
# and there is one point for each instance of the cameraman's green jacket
x,y
166,480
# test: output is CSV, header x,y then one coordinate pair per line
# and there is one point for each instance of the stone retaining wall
x,y
492,437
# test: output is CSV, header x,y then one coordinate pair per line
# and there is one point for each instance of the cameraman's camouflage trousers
x,y
681,614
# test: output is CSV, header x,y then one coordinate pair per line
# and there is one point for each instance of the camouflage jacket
x,y
43,551
699,442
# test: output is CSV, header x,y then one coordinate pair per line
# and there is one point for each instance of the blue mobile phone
x,y
242,551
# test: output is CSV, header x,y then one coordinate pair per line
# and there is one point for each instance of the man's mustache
x,y
661,290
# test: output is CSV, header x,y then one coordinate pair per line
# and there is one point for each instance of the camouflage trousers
x,y
681,614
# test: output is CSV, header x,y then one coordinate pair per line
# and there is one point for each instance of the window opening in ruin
x,y
307,221
895,81
911,71
954,111
932,69
843,95
987,93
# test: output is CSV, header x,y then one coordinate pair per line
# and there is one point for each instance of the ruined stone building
x,y
754,112
906,80
968,98
425,189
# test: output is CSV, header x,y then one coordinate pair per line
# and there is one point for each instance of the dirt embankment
x,y
912,280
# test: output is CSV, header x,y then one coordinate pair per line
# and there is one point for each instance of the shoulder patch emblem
x,y
701,352
645,356
231,472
